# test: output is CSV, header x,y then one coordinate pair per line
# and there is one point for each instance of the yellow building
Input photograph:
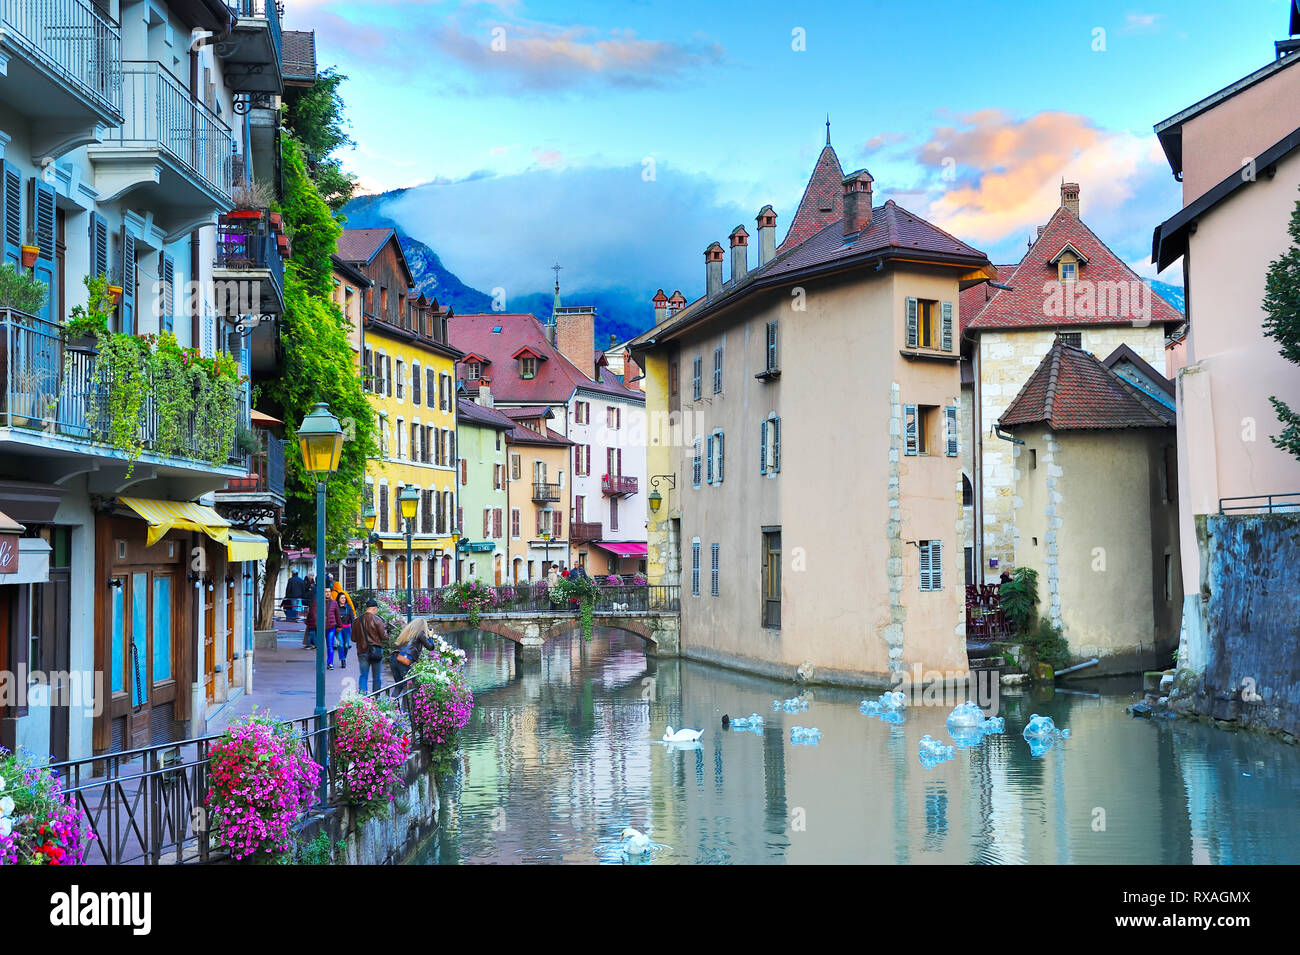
x,y
409,371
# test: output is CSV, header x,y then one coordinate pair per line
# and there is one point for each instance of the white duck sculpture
x,y
682,736
635,843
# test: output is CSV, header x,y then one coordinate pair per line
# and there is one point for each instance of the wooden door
x,y
231,639
208,596
56,653
498,570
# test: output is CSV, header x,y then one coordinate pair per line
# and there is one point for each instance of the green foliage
x,y
1282,303
21,291
1019,599
121,382
580,593
316,118
319,851
91,319
1049,644
318,365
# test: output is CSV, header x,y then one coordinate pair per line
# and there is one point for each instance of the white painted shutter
x,y
950,416
946,312
909,429
911,323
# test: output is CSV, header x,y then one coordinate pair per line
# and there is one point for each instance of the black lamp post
x,y
409,498
368,519
321,441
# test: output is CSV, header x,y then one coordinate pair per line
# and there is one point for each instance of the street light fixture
x,y
455,557
368,516
655,497
409,498
320,439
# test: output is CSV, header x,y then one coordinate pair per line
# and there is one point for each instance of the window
x,y
496,522
578,502
698,367
415,382
918,427
970,565
582,412
695,469
931,565
557,524
951,444
715,456
717,371
613,513
514,523
929,324
1074,339
401,377
1171,474
772,577
613,461
769,445
672,378
367,369
614,418
713,570
474,370
528,367
771,363
514,467
1169,577
1033,458
1069,271
967,494
401,438
695,567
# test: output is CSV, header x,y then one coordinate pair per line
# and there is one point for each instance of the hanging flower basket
x,y
115,293
30,254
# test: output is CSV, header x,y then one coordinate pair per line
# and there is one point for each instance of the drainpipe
x,y
997,430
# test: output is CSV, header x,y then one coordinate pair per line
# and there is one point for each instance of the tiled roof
x,y
530,411
522,434
1071,390
556,378
822,202
475,413
973,299
298,53
1125,354
360,245
1034,283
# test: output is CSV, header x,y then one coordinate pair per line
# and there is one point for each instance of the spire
x,y
822,202
828,129
555,306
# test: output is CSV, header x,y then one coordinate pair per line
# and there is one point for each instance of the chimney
x,y
1070,197
575,338
766,220
484,396
676,303
661,306
857,203
713,269
739,253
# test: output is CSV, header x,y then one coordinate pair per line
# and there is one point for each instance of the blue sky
x,y
622,138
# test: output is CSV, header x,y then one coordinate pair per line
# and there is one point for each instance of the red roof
x,y
477,414
1034,286
556,378
822,202
1071,389
360,245
973,299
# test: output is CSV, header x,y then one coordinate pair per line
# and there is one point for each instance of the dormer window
x,y
1069,270
475,370
528,366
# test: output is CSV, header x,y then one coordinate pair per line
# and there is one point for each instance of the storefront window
x,y
162,629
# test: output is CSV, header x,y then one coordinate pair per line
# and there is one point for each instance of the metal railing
x,y
143,804
72,40
253,250
534,598
1262,503
271,11
546,492
160,113
618,484
50,387
585,531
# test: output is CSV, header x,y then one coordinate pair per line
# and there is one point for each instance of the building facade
x,y
537,478
409,370
762,449
481,436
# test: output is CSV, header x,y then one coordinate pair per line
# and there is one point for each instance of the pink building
x,y
1237,153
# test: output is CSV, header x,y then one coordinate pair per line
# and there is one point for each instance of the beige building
x,y
1096,504
1069,282
1233,224
813,506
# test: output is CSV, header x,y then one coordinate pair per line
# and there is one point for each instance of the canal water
x,y
562,754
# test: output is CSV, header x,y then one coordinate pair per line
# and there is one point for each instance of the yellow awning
x,y
246,546
426,544
164,516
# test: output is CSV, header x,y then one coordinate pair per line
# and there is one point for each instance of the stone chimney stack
x,y
484,396
1070,197
713,269
739,253
857,203
661,306
575,337
676,302
766,220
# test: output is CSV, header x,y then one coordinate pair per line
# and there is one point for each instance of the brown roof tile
x,y
822,202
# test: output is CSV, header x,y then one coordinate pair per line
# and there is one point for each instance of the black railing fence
x,y
535,598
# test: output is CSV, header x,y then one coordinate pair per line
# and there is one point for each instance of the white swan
x,y
635,843
682,736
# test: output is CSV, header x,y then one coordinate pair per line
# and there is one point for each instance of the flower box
x,y
237,214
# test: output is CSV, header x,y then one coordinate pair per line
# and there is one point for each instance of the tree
x,y
315,115
1282,303
318,365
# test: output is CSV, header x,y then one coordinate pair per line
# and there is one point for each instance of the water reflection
x,y
564,752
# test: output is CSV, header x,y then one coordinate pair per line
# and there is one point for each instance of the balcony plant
x,y
442,702
89,322
30,400
580,593
39,825
371,741
20,291
472,597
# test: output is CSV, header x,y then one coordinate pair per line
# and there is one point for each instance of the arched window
x,y
967,492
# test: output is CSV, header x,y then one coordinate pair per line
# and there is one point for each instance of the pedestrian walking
x,y
347,616
371,632
309,598
293,596
411,642
332,628
309,631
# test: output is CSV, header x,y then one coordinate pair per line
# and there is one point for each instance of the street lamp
x,y
320,439
655,497
455,557
409,498
368,516
546,536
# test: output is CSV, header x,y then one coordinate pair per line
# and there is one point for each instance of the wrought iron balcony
x,y
64,65
252,53
618,485
248,277
583,531
546,492
165,129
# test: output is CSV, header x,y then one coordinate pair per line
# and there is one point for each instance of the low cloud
x,y
1139,22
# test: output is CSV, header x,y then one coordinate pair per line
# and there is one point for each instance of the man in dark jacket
x,y
370,631
293,596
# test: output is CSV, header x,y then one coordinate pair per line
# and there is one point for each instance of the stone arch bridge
x,y
660,629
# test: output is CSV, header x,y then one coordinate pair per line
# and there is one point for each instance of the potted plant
x,y
250,201
89,322
20,291
31,251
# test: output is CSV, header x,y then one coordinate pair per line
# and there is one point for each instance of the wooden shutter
x,y
43,219
496,522
950,417
460,520
776,444
415,385
909,429
911,323
771,346
429,382
13,214
383,508
98,245
925,565
945,311
695,475
557,524
464,471
167,302
721,455
514,522
128,282
936,565
762,446
709,456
